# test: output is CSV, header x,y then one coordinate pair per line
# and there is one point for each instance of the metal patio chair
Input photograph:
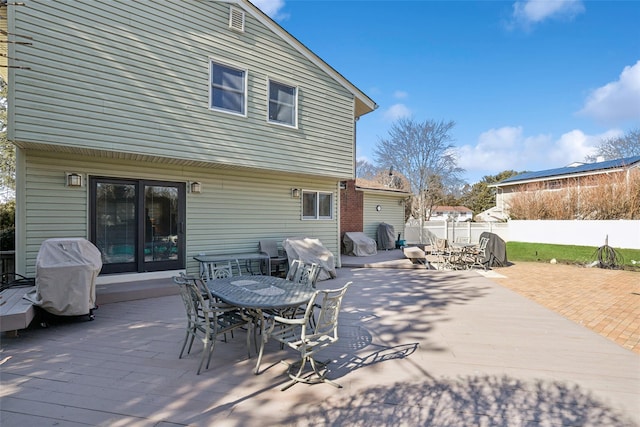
x,y
219,270
277,257
308,338
480,254
207,319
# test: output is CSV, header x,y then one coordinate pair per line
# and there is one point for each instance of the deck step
x,y
15,311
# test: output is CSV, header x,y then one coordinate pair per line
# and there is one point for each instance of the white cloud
x,y
617,101
396,111
508,148
529,12
270,7
400,94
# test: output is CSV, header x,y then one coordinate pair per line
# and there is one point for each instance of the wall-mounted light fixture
x,y
378,208
295,193
73,179
195,187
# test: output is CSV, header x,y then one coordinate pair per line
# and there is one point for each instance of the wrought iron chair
x,y
277,258
218,270
306,338
301,272
480,254
441,251
207,319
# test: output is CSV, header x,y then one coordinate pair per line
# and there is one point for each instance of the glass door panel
x,y
161,223
116,230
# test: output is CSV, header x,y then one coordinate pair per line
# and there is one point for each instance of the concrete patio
x,y
418,347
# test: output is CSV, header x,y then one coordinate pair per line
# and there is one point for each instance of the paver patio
x,y
418,347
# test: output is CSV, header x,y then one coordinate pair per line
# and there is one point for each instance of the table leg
x,y
263,337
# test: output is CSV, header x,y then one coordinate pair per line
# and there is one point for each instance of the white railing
x,y
452,231
619,233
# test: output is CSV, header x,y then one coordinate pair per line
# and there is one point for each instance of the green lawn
x,y
567,254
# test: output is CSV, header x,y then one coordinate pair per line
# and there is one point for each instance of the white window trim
x,y
317,216
295,103
246,84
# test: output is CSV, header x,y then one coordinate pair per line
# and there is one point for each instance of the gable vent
x,y
236,19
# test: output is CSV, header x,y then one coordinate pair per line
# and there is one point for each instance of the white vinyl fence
x,y
620,233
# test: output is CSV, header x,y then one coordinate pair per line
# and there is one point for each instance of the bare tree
x,y
627,145
7,150
365,170
423,153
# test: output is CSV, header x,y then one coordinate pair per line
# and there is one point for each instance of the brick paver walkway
x,y
606,301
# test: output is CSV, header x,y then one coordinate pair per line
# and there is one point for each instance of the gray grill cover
x,y
66,272
311,250
359,244
496,251
386,236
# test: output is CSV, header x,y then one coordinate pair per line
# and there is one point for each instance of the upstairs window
x,y
283,101
228,89
317,205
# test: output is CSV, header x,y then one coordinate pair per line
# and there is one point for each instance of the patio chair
x,y
218,270
440,249
207,319
301,272
278,258
306,338
480,254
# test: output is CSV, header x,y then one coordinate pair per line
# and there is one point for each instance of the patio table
x,y
259,293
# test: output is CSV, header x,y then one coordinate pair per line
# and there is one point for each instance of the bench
x,y
415,254
15,312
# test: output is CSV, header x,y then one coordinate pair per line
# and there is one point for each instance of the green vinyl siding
x,y
133,78
235,209
392,212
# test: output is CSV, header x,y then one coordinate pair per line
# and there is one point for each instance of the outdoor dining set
x,y
459,255
289,310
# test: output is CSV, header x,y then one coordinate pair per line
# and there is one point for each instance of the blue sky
x,y
531,85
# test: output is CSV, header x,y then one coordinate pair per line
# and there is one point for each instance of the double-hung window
x,y
317,205
283,100
228,88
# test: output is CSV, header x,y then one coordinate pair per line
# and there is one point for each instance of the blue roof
x,y
571,170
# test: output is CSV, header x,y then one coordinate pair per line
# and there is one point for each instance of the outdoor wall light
x,y
378,208
74,179
295,193
195,187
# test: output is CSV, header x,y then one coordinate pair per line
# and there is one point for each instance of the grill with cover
x,y
66,272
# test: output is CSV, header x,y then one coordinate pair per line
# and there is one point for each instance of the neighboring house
x,y
162,130
449,213
573,175
365,204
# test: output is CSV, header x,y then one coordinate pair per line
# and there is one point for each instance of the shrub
x,y
601,197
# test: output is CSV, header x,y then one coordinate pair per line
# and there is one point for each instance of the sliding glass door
x,y
138,225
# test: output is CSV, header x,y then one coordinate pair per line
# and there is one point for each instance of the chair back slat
x,y
300,272
218,270
326,304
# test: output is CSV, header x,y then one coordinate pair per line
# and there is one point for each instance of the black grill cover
x,y
386,236
496,251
